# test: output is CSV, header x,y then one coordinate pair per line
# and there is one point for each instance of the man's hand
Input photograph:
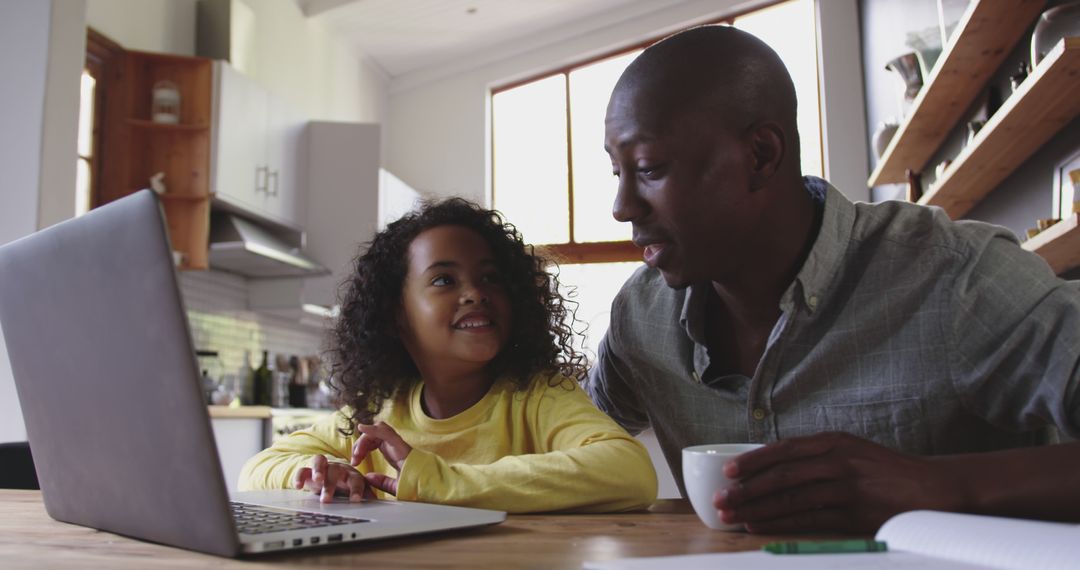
x,y
831,482
328,479
382,437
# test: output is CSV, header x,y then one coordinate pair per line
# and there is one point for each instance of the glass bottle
x,y
246,377
264,382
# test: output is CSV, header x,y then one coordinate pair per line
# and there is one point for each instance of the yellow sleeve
x,y
584,462
275,467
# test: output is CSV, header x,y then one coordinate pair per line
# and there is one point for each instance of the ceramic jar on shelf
x,y
1061,21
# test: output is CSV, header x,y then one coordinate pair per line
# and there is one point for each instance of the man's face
x,y
683,184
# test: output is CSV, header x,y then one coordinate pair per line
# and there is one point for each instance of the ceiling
x,y
402,36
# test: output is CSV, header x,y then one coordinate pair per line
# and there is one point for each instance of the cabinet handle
x,y
263,186
273,175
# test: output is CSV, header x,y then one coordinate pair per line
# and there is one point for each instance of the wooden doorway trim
x,y
104,62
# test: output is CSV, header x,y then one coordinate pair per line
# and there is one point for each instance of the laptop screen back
x,y
107,379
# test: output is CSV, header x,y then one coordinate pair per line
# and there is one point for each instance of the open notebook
x,y
916,539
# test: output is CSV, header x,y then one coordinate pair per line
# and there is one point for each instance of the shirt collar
x,y
827,254
813,279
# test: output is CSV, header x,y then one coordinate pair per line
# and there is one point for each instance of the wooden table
x,y
30,539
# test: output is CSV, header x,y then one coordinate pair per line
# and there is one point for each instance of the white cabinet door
x,y
347,196
286,161
240,135
237,439
259,150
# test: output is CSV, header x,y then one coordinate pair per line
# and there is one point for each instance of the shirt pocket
x,y
896,423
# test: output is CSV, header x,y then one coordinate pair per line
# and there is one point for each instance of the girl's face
x,y
455,313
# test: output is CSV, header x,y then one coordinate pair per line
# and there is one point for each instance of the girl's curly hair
x,y
369,363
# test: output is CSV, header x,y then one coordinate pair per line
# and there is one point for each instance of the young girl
x,y
455,368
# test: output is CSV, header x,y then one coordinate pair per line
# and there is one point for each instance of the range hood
x,y
243,247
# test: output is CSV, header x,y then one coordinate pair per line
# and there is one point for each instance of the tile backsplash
x,y
218,314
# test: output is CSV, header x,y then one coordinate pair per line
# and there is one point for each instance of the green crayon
x,y
825,547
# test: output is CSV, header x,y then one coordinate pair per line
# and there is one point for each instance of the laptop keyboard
x,y
254,519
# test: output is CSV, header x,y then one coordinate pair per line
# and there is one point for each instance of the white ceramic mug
x,y
703,476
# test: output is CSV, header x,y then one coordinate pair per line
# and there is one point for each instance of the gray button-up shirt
x,y
903,327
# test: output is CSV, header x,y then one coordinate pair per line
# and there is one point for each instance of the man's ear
x,y
767,145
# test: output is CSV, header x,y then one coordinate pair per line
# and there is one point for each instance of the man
x,y
891,358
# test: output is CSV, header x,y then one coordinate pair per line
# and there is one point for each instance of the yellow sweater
x,y
546,448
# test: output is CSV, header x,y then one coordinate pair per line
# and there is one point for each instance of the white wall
x,y
36,48
313,69
436,130
60,132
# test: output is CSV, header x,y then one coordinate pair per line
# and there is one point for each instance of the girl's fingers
x,y
384,483
314,477
383,437
355,485
380,430
334,479
318,469
303,476
364,446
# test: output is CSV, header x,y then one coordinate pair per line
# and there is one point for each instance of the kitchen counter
x,y
257,412
262,412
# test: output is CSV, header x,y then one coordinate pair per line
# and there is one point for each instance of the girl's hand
x,y
382,437
328,479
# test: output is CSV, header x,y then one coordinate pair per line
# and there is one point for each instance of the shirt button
x,y
812,301
759,414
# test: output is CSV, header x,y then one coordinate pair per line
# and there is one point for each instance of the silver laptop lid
x,y
108,382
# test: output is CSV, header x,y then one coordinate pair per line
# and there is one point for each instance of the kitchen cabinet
x,y
349,197
1044,103
239,433
396,198
134,147
257,149
235,147
286,163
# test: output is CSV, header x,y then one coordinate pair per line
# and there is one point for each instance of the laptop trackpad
x,y
308,501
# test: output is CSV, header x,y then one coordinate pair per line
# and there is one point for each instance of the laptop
x,y
109,387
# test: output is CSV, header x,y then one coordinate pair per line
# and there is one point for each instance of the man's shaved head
x,y
727,74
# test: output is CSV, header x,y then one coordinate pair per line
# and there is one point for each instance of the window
x,y
552,178
84,174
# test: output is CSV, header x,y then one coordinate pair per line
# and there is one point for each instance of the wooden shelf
x,y
171,127
1059,244
137,149
982,40
1046,101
